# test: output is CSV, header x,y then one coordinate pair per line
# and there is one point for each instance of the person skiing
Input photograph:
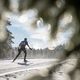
x,y
22,48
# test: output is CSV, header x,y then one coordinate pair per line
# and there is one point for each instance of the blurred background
x,y
46,24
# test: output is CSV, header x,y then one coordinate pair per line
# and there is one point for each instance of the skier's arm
x,y
28,46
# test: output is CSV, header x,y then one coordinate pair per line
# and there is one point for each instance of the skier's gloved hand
x,y
30,48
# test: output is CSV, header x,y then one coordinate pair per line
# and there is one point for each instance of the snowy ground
x,y
11,71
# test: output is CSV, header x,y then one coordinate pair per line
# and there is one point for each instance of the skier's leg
x,y
25,54
19,51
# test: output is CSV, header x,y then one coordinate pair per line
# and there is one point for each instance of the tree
x,y
6,44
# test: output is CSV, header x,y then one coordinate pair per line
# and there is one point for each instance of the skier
x,y
22,48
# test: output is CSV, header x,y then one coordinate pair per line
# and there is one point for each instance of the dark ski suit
x,y
22,48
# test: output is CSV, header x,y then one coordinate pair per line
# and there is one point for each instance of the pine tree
x,y
6,45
